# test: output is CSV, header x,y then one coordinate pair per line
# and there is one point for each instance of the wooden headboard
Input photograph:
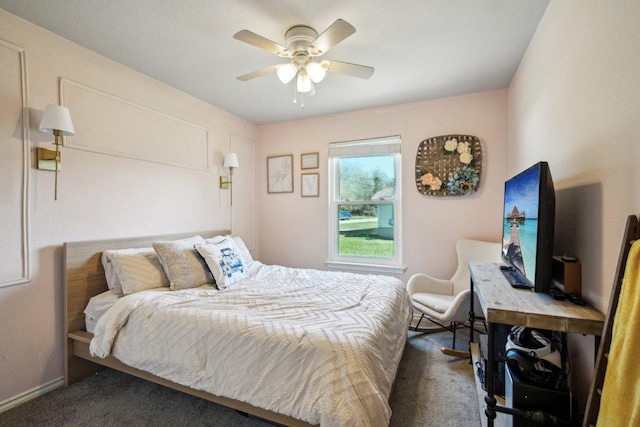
x,y
84,275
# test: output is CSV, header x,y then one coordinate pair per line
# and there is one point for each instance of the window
x,y
364,204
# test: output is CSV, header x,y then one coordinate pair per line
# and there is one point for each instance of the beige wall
x,y
293,230
100,196
574,102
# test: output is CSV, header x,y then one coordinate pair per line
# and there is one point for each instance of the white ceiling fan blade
x,y
333,35
260,42
258,73
354,70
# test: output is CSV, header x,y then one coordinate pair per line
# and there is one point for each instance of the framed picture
x,y
309,160
280,174
310,185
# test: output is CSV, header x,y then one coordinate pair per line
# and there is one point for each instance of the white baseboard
x,y
30,394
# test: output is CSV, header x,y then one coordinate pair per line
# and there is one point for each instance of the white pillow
x,y
113,282
138,270
184,267
224,261
243,251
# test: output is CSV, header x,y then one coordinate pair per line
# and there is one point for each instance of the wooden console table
x,y
500,303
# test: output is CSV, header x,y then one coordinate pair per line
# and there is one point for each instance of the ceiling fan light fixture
x,y
286,72
316,72
303,45
303,83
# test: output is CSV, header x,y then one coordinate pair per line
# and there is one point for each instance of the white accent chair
x,y
447,302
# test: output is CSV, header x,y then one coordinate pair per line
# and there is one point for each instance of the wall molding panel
x,y
133,130
242,211
14,167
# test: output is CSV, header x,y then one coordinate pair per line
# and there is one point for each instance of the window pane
x,y
367,178
366,230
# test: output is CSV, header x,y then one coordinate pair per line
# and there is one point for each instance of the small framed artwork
x,y
280,174
309,160
310,185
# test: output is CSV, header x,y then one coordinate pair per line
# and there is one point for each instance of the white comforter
x,y
319,346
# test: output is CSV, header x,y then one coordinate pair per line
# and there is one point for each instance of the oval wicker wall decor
x,y
449,165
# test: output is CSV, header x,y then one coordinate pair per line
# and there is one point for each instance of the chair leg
x,y
427,330
419,320
452,351
463,354
453,329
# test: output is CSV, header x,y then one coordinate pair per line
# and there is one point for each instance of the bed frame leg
x,y
77,368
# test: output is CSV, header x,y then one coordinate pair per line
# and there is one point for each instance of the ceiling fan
x,y
303,45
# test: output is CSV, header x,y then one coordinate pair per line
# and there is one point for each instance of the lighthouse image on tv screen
x,y
520,226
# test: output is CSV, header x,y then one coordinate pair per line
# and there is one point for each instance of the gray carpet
x,y
431,390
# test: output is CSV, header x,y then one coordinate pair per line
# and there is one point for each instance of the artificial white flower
x,y
463,147
451,145
466,158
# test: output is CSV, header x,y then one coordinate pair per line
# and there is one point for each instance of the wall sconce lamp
x,y
56,120
231,162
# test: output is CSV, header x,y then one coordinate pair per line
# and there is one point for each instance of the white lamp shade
x,y
286,72
316,72
304,84
231,160
57,117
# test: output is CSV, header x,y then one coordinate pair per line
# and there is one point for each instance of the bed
x,y
329,342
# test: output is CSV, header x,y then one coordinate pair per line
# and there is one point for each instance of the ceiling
x,y
420,49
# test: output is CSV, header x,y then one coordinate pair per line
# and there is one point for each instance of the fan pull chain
x,y
295,101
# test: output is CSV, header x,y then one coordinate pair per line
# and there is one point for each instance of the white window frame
x,y
362,148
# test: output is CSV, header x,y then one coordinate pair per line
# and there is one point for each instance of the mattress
x,y
322,347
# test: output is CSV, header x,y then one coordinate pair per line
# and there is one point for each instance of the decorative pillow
x,y
113,282
184,267
224,261
138,270
243,251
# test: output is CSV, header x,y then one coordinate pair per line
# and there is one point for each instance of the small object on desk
x,y
514,278
576,299
565,258
556,293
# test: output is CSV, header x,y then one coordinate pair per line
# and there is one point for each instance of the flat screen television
x,y
528,228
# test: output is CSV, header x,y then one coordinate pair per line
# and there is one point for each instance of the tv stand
x,y
502,304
